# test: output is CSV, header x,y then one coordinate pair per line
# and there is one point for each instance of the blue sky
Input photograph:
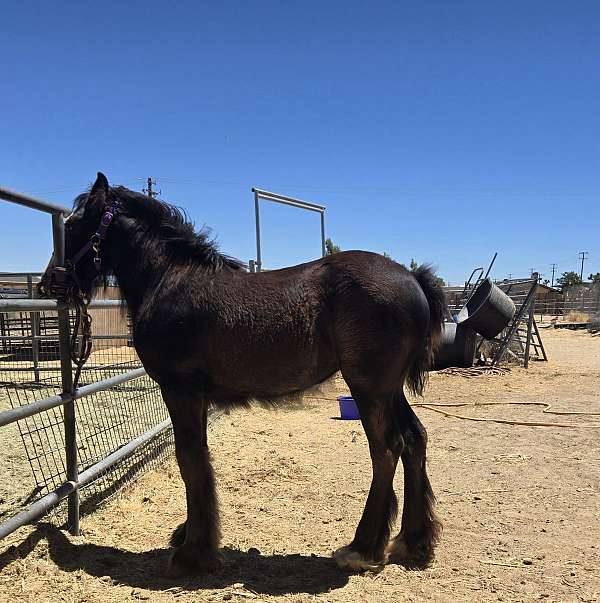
x,y
442,131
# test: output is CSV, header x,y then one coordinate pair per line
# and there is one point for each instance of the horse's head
x,y
81,243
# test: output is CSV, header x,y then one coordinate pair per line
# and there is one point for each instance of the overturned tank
x,y
457,347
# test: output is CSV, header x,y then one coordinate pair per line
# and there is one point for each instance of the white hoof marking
x,y
397,548
346,558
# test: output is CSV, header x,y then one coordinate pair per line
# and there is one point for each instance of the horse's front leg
x,y
198,538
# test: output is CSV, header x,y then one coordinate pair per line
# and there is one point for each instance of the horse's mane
x,y
156,219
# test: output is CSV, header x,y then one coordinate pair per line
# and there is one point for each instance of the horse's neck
x,y
138,268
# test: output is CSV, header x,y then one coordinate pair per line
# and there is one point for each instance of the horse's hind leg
x,y
198,537
367,550
414,546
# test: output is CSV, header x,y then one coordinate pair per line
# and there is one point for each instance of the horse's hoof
x,y
348,559
188,560
417,556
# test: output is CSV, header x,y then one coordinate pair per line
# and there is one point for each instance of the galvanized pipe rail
x,y
69,489
32,202
53,337
56,369
28,410
284,200
19,274
39,305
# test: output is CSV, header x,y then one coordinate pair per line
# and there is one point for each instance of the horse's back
x,y
373,284
344,294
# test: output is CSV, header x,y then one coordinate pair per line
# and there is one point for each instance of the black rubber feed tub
x,y
457,347
488,311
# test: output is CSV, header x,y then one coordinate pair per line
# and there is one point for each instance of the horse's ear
x,y
99,191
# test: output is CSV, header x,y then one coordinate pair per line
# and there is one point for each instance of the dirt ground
x,y
122,410
520,505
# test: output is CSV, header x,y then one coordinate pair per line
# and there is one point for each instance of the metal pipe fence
x,y
57,443
259,194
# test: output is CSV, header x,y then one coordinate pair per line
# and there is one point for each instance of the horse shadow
x,y
263,574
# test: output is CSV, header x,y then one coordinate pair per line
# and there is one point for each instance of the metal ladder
x,y
523,331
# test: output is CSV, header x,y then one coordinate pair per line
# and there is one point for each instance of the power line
x,y
583,255
441,189
65,188
48,191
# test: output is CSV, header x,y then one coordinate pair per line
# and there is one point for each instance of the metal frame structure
x,y
521,330
515,330
74,482
284,200
35,319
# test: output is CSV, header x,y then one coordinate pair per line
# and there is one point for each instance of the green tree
x,y
413,264
388,256
569,279
331,247
595,278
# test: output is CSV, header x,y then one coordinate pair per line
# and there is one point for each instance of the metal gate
x,y
81,444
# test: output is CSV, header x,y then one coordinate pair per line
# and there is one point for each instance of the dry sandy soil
x,y
128,409
520,504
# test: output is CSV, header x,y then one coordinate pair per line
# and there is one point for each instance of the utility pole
x,y
583,255
553,266
149,191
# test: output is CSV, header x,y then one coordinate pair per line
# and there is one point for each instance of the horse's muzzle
x,y
56,282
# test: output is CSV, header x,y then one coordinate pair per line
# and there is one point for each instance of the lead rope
x,y
66,288
80,351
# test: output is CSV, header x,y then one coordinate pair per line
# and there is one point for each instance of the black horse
x,y
208,332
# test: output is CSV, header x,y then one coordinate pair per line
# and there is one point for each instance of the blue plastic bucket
x,y
348,408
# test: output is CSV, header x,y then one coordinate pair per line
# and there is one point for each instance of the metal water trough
x,y
488,311
457,347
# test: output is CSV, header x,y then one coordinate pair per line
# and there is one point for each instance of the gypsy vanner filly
x,y
208,333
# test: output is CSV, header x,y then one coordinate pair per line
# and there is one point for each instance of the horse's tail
x,y
423,359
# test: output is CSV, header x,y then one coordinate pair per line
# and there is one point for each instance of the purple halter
x,y
97,237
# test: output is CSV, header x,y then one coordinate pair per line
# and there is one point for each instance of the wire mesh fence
x,y
32,450
550,303
584,299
